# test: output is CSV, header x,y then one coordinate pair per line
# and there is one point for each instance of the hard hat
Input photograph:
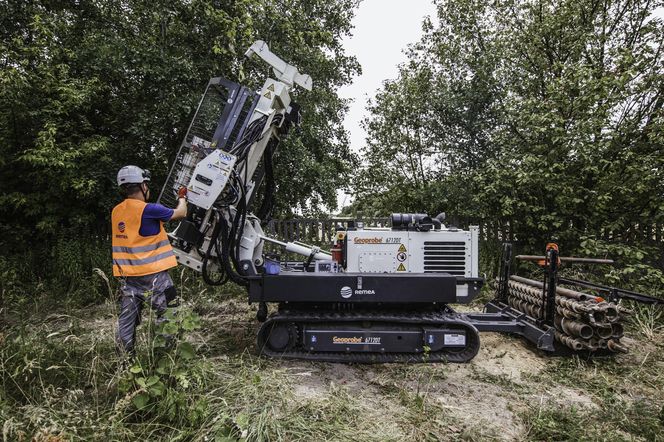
x,y
132,175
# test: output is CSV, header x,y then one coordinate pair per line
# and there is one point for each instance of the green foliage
x,y
159,381
631,269
538,120
60,376
87,87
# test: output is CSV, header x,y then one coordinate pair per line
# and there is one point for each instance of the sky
x,y
383,30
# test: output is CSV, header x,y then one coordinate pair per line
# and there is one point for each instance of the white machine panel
x,y
383,250
209,178
377,262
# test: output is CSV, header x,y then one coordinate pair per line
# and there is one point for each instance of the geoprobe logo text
x,y
357,240
347,292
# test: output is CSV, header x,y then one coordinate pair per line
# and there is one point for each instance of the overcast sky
x,y
383,29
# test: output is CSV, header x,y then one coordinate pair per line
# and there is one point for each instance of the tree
x,y
541,118
87,87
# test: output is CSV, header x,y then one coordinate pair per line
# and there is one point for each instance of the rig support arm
x,y
284,72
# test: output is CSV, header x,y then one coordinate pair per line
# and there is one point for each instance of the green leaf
x,y
141,400
242,420
164,365
159,341
151,381
157,389
169,328
188,324
135,369
186,350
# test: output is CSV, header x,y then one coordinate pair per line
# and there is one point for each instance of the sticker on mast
x,y
401,268
402,248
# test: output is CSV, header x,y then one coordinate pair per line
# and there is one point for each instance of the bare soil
x,y
487,393
485,399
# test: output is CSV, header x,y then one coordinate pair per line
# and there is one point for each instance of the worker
x,y
142,253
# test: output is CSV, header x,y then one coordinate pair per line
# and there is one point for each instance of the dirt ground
x,y
509,391
483,398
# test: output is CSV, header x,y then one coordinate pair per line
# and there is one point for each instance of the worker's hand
x,y
182,193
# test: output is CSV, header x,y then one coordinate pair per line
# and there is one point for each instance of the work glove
x,y
172,298
182,193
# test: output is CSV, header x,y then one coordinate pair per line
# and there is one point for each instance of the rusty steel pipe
x,y
596,344
579,296
617,330
570,259
574,328
616,346
522,290
568,341
603,331
611,312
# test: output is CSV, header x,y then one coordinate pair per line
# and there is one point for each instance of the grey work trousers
x,y
135,290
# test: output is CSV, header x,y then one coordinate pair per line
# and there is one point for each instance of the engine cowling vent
x,y
445,257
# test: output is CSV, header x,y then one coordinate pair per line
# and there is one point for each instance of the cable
x,y
232,274
229,254
223,278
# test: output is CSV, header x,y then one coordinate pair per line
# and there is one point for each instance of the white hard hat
x,y
132,175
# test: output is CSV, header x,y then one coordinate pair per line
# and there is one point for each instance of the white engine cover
x,y
382,250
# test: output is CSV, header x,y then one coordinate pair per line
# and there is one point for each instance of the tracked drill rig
x,y
384,295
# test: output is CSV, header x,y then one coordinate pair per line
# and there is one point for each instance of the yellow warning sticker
x,y
267,94
271,87
401,268
402,248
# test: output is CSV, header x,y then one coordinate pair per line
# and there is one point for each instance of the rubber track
x,y
421,319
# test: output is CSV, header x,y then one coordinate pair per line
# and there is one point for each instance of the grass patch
x,y
628,390
621,422
60,377
565,424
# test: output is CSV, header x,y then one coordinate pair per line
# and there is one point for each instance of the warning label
x,y
401,268
402,248
401,256
271,87
267,94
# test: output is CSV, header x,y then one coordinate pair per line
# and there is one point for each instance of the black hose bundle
x,y
226,238
226,256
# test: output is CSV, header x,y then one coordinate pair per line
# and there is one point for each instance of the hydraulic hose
x,y
206,258
225,258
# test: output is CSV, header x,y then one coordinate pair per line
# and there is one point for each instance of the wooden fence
x,y
314,231
321,231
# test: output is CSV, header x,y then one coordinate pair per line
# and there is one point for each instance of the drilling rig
x,y
379,295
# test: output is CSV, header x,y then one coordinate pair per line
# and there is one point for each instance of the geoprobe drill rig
x,y
382,296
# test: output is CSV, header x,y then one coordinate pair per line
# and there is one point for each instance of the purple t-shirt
x,y
153,214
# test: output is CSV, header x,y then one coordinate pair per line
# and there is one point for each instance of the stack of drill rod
x,y
582,321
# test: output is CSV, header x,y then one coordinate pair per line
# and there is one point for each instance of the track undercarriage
x,y
369,335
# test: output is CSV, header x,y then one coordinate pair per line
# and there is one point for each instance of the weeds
x,y
60,377
647,320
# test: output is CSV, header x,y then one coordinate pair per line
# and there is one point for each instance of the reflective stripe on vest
x,y
133,254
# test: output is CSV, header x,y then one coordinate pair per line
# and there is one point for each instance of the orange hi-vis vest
x,y
133,254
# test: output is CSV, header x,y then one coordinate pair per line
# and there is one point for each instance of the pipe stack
x,y
582,321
